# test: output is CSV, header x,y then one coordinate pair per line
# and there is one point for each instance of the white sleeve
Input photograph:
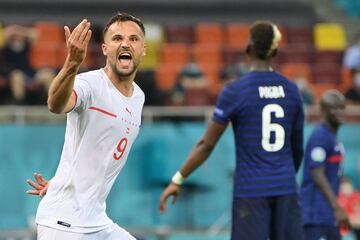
x,y
82,91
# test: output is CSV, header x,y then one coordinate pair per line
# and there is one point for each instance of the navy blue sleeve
x,y
317,151
226,106
297,137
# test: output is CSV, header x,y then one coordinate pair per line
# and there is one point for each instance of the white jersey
x,y
99,134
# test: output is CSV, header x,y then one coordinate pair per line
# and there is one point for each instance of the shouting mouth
x,y
125,59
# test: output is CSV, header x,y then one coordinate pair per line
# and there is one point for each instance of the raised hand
x,y
40,187
77,41
171,190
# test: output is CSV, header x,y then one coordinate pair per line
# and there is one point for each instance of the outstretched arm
x,y
197,156
61,97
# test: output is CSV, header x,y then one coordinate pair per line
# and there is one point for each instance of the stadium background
x,y
31,138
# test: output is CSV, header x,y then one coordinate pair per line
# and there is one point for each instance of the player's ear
x,y
144,50
104,49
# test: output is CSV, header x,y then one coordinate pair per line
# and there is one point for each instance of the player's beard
x,y
124,74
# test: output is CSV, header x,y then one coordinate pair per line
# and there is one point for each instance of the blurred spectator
x,y
3,89
352,55
17,47
353,93
38,89
234,71
349,200
305,91
16,66
192,87
17,86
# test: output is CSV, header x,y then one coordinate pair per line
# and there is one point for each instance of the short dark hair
x,y
123,17
261,39
332,98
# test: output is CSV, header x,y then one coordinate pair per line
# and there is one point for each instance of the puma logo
x,y
126,109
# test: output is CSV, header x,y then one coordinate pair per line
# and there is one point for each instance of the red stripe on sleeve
x,y
76,96
335,158
103,111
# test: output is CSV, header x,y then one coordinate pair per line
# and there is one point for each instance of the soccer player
x,y
265,110
321,211
103,109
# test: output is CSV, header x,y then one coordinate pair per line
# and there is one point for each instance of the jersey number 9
x,y
120,148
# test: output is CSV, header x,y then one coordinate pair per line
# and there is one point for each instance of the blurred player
x,y
104,115
322,213
266,114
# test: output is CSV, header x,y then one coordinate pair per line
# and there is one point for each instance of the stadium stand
x,y
296,12
175,53
294,70
179,33
209,34
46,51
329,36
236,36
166,76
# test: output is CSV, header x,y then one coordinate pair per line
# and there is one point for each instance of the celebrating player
x,y
103,118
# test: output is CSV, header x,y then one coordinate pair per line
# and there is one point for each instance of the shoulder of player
x,y
320,133
292,85
233,89
291,88
238,84
138,92
90,76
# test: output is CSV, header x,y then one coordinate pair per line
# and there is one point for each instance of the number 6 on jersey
x,y
268,127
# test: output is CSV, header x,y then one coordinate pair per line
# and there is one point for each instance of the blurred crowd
x,y
20,83
23,82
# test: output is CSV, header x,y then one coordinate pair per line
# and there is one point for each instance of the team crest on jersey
x,y
318,154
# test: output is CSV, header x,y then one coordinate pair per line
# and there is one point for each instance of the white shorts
x,y
113,232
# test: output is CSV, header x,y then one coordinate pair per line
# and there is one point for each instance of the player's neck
x,y
123,85
332,126
126,88
260,66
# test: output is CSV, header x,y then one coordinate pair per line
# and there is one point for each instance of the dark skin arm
x,y
318,175
198,155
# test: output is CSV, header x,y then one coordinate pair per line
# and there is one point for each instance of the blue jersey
x,y
267,117
322,150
